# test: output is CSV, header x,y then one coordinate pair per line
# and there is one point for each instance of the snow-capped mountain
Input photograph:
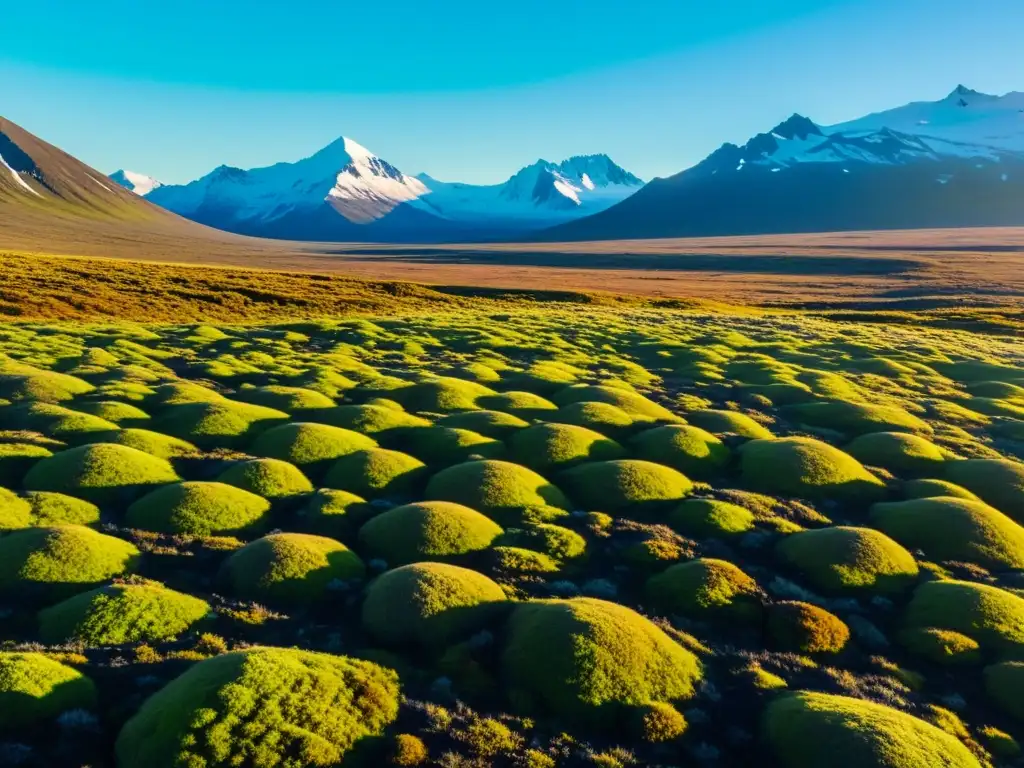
x,y
345,192
870,173
138,183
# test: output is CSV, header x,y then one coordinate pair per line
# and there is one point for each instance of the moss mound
x,y
624,484
1003,683
102,473
929,489
60,560
806,468
954,529
429,530
113,410
23,382
857,418
34,688
337,514
16,459
691,450
552,540
59,509
941,646
636,405
309,445
287,399
496,424
585,659
220,424
199,508
154,443
899,452
269,478
706,588
519,560
805,628
729,423
54,421
991,616
122,613
376,472
847,558
999,482
548,446
290,568
807,730
710,517
442,395
430,603
444,446
277,706
493,487
605,418
375,420
15,512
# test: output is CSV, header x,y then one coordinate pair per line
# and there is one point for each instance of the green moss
x,y
376,472
805,628
807,730
34,688
954,529
928,489
857,418
585,659
691,450
444,446
430,604
114,411
941,646
220,424
999,743
290,568
271,707
182,392
494,487
101,473
287,399
991,616
199,508
636,405
710,517
23,382
552,540
337,514
60,560
605,418
16,459
996,389
59,509
15,512
494,424
375,420
525,405
1003,683
806,468
122,613
999,482
519,560
55,421
428,530
706,588
899,452
154,443
729,423
309,445
549,446
624,485
847,558
269,478
442,395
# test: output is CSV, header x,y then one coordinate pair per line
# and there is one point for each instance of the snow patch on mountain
x,y
17,177
138,183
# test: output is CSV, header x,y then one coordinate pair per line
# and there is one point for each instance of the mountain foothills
x,y
956,162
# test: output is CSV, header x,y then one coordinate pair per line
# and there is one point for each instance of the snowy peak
x,y
796,127
138,183
564,185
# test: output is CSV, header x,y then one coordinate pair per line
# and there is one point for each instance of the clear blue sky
x,y
469,90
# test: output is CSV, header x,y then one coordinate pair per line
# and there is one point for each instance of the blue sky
x,y
470,92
